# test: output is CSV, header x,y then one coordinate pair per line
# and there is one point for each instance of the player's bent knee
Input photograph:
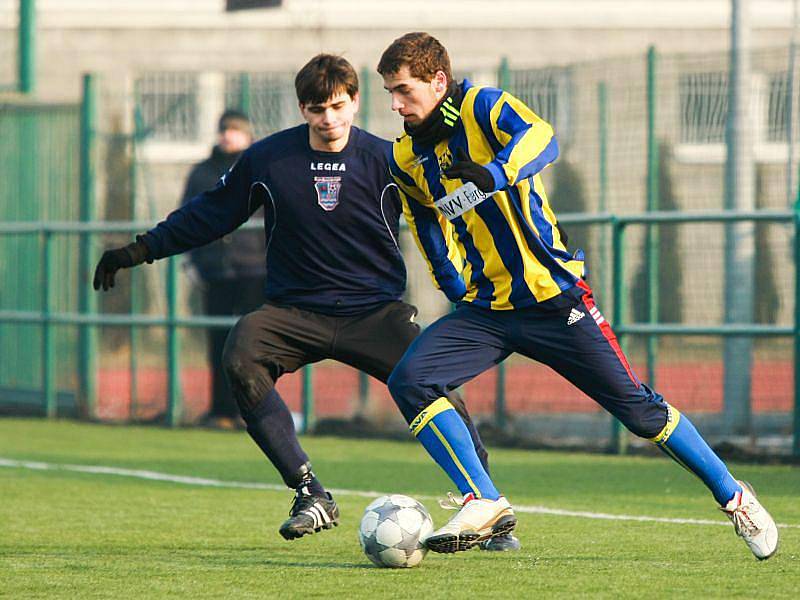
x,y
395,383
398,388
406,391
235,363
400,380
644,415
646,424
249,381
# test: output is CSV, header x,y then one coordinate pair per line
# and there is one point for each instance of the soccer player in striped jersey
x,y
469,170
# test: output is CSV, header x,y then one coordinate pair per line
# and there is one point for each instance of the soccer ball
x,y
393,530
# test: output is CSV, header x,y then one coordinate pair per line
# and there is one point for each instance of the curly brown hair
x,y
422,53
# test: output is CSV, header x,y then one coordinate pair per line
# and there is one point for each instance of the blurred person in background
x,y
468,167
335,274
231,270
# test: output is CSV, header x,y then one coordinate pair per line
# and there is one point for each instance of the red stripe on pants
x,y
608,333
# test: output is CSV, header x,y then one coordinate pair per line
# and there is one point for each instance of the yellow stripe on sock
x,y
433,409
457,462
673,418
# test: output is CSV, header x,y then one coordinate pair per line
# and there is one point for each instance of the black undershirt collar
x,y
441,123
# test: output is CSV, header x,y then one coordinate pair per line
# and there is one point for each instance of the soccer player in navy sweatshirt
x,y
469,171
335,275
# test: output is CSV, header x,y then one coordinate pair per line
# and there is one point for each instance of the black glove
x,y
468,170
119,258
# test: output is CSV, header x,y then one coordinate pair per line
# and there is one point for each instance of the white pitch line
x,y
221,483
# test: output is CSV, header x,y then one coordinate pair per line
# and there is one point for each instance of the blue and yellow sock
x,y
442,431
681,441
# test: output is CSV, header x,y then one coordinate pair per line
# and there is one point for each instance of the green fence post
x,y
308,399
26,52
244,103
173,345
504,74
619,439
87,298
500,413
652,250
602,131
365,104
48,347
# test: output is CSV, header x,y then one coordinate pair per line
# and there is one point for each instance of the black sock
x,y
311,485
272,429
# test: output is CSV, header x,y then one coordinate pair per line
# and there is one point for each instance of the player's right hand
x,y
466,169
114,260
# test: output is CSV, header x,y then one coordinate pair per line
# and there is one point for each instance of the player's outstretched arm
x,y
209,215
119,258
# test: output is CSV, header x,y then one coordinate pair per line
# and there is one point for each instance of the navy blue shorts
x,y
567,333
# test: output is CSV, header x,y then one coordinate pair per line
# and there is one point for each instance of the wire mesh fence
x,y
636,134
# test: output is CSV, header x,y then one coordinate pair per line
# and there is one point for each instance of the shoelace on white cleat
x,y
742,522
453,502
742,516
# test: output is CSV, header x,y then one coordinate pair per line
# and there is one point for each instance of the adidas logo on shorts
x,y
574,316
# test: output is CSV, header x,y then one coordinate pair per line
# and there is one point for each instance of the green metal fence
x,y
39,168
652,330
167,106
47,317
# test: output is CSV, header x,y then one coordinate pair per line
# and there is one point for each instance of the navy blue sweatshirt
x,y
331,221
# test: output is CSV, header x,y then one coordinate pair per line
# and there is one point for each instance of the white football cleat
x,y
752,522
477,520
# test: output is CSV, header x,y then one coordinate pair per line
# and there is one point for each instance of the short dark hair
x,y
324,76
422,53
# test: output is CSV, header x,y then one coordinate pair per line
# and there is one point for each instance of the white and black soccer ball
x,y
393,531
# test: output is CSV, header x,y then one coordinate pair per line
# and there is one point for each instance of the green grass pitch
x,y
67,534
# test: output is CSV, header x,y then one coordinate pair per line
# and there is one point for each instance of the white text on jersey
x,y
460,201
327,166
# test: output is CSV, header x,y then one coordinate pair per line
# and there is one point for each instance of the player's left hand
x,y
468,170
116,259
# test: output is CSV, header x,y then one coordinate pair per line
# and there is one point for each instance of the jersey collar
x,y
442,122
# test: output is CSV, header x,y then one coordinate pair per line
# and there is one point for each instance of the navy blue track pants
x,y
567,333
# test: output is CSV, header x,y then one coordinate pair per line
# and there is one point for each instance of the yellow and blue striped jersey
x,y
502,250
